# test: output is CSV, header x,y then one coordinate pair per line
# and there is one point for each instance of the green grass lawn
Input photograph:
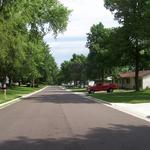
x,y
16,92
124,96
78,90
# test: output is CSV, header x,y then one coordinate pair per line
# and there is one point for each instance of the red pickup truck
x,y
109,87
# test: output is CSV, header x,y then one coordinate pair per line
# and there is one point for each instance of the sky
x,y
84,14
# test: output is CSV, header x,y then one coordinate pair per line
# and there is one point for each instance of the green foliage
x,y
99,58
126,47
74,69
23,24
16,92
124,96
134,37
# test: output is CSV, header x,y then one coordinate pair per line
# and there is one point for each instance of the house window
x,y
128,80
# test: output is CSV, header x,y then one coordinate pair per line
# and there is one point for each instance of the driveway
x,y
55,119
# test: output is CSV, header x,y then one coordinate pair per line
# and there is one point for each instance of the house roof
x,y
132,74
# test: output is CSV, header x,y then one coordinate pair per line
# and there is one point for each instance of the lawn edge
x,y
114,106
119,108
13,101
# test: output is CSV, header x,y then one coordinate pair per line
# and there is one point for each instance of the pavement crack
x,y
73,143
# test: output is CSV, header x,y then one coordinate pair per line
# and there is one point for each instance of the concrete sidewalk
x,y
141,110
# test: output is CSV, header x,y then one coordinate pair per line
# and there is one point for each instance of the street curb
x,y
115,106
3,105
98,100
87,96
28,95
130,112
119,108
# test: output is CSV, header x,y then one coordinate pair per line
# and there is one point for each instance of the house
x,y
127,79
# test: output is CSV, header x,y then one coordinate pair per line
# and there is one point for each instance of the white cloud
x,y
85,14
64,50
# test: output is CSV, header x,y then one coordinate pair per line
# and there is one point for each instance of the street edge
x,y
114,106
119,108
6,104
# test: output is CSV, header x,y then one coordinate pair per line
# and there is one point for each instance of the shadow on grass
x,y
23,89
124,97
79,90
115,137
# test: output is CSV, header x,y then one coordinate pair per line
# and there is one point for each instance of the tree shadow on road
x,y
114,137
59,98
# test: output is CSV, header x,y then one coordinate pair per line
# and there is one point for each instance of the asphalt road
x,y
58,120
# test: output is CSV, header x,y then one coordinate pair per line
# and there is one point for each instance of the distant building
x,y
91,83
127,79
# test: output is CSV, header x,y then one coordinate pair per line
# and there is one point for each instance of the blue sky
x,y
85,14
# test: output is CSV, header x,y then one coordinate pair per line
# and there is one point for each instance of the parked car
x,y
109,87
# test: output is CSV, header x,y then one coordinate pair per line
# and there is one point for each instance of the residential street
x,y
55,119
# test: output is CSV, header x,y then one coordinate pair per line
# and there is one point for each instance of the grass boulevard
x,y
120,96
16,92
124,97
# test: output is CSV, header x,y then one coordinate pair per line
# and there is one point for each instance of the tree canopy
x,y
99,56
134,16
23,25
74,69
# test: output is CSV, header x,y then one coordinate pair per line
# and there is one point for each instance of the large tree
x,y
134,17
98,61
74,69
23,24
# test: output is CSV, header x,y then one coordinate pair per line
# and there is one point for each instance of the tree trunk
x,y
102,76
75,83
33,83
137,70
4,86
10,81
19,82
3,81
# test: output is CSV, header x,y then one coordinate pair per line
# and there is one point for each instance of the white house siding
x,y
131,84
146,82
127,85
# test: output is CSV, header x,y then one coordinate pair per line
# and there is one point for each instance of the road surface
x,y
55,119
